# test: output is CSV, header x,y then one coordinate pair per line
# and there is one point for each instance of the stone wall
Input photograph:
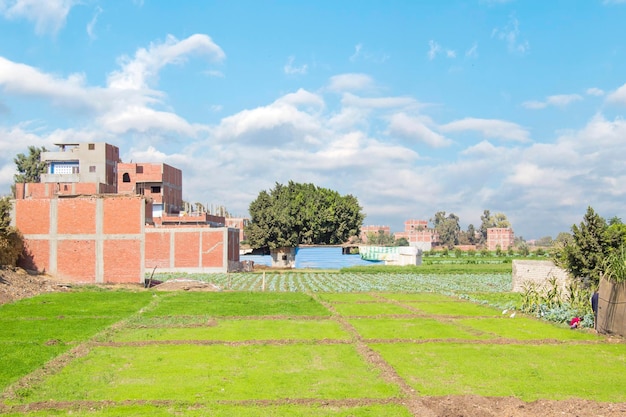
x,y
539,273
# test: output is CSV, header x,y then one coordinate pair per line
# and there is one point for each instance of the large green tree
x,y
447,227
30,167
294,214
592,242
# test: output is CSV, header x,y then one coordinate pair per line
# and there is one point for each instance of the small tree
x,y
381,238
30,167
592,242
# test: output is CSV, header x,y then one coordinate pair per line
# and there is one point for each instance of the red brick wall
x,y
158,249
185,242
91,239
36,255
32,216
104,239
122,215
76,260
122,260
76,216
212,249
186,248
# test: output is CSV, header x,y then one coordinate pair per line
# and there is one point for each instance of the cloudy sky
x,y
412,106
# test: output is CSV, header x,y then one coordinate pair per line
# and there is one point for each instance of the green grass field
x,y
286,354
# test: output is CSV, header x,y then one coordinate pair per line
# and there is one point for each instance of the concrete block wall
x,y
539,273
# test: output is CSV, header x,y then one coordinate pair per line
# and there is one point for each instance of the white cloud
x,y
415,128
136,73
214,73
357,52
562,100
350,82
510,34
278,122
92,23
559,100
473,51
49,16
435,49
360,53
23,80
489,128
290,69
618,96
595,91
379,102
534,104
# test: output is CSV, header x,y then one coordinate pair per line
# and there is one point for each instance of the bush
x,y
11,246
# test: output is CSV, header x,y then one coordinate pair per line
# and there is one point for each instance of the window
x,y
91,146
126,177
139,169
74,170
92,168
155,189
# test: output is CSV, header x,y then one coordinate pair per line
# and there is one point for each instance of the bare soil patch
x,y
16,283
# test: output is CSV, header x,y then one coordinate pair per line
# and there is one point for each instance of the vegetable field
x,y
353,282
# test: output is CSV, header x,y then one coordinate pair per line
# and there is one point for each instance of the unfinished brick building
x,y
81,225
500,237
418,234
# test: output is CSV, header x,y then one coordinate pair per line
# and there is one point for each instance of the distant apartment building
x,y
418,234
75,168
160,182
373,229
500,237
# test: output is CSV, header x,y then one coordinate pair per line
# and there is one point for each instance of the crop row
x,y
352,282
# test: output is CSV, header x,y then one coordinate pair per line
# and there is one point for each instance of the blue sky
x,y
412,106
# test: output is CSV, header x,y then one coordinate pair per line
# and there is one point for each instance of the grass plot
x,y
240,330
529,372
209,373
224,304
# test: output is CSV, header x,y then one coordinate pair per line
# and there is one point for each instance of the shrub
x,y
11,246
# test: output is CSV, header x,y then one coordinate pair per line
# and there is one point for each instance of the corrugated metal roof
x,y
326,257
316,257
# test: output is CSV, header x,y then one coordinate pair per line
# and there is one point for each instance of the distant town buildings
x,y
418,234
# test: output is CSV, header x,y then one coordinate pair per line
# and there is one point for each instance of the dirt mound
x,y
16,283
186,285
